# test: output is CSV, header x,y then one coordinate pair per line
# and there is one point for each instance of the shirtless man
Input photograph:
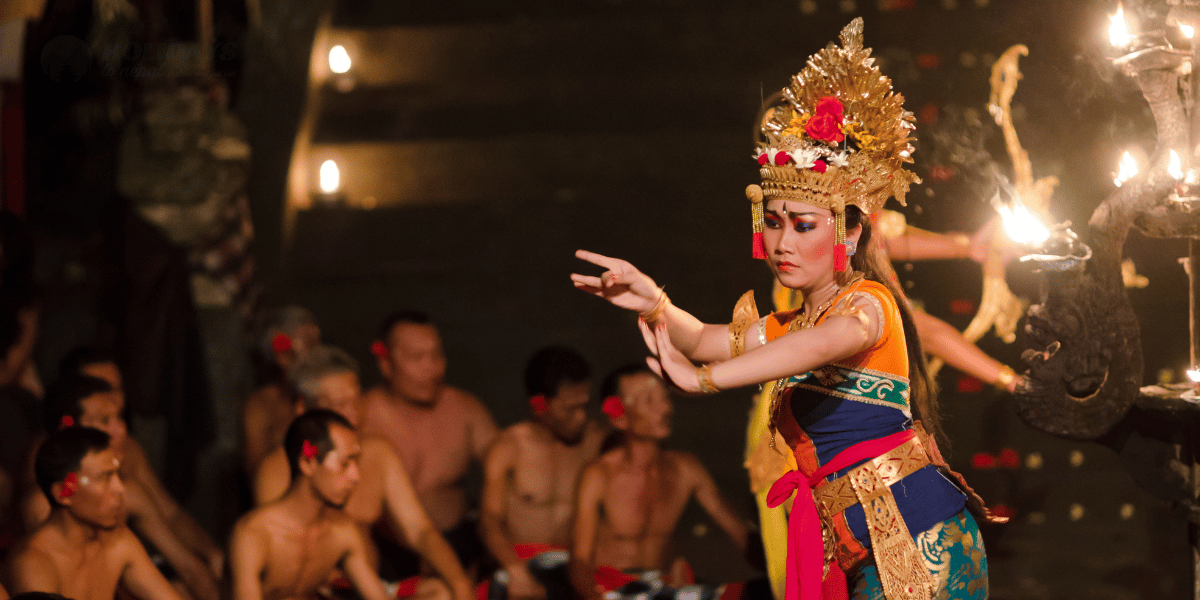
x,y
82,551
288,549
531,470
91,402
630,499
438,430
135,465
290,332
327,378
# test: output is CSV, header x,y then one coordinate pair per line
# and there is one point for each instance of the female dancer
x,y
877,513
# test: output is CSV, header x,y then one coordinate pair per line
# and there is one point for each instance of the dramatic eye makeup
x,y
801,222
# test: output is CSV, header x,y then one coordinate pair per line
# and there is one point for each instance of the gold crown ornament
x,y
841,136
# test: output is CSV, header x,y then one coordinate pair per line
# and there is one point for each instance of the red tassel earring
x,y
840,259
758,248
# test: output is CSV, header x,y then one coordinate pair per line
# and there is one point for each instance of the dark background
x,y
508,134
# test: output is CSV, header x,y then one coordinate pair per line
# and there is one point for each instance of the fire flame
x,y
1188,31
1127,169
1194,375
1175,166
339,59
1021,226
330,178
1118,34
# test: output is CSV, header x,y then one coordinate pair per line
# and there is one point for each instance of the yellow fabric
x,y
766,464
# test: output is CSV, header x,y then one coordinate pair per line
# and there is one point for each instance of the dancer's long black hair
x,y
872,259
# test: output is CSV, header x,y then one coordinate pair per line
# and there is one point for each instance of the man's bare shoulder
x,y
377,454
685,463
518,434
259,522
30,558
32,552
460,399
343,529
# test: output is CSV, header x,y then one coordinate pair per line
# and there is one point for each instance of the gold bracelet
x,y
656,311
1005,379
963,244
704,376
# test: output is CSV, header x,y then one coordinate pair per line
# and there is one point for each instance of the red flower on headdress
x,y
67,421
782,158
762,159
819,166
613,407
379,350
281,342
308,449
825,127
539,404
70,485
829,105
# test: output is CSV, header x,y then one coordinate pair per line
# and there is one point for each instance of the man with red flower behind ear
x,y
83,550
438,430
289,548
630,499
530,473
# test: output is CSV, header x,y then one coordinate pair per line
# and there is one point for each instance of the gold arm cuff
x,y
656,311
704,376
745,314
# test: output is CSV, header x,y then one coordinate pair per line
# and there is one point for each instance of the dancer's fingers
x,y
612,264
587,280
589,289
655,366
648,336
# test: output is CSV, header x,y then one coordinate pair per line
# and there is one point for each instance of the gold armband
x,y
1005,379
962,244
704,376
745,313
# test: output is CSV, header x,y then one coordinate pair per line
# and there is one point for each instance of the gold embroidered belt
x,y
901,568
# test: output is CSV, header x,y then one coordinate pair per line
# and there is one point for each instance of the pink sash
x,y
806,553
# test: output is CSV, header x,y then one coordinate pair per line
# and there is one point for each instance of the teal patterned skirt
x,y
953,553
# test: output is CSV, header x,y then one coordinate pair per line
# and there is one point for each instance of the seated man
x,y
92,402
135,465
327,378
290,332
83,550
530,474
437,430
630,499
289,548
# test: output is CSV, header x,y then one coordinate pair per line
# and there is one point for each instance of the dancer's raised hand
x,y
622,284
668,362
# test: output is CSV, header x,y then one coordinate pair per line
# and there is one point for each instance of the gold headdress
x,y
841,137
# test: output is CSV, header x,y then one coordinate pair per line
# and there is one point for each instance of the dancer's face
x,y
799,242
